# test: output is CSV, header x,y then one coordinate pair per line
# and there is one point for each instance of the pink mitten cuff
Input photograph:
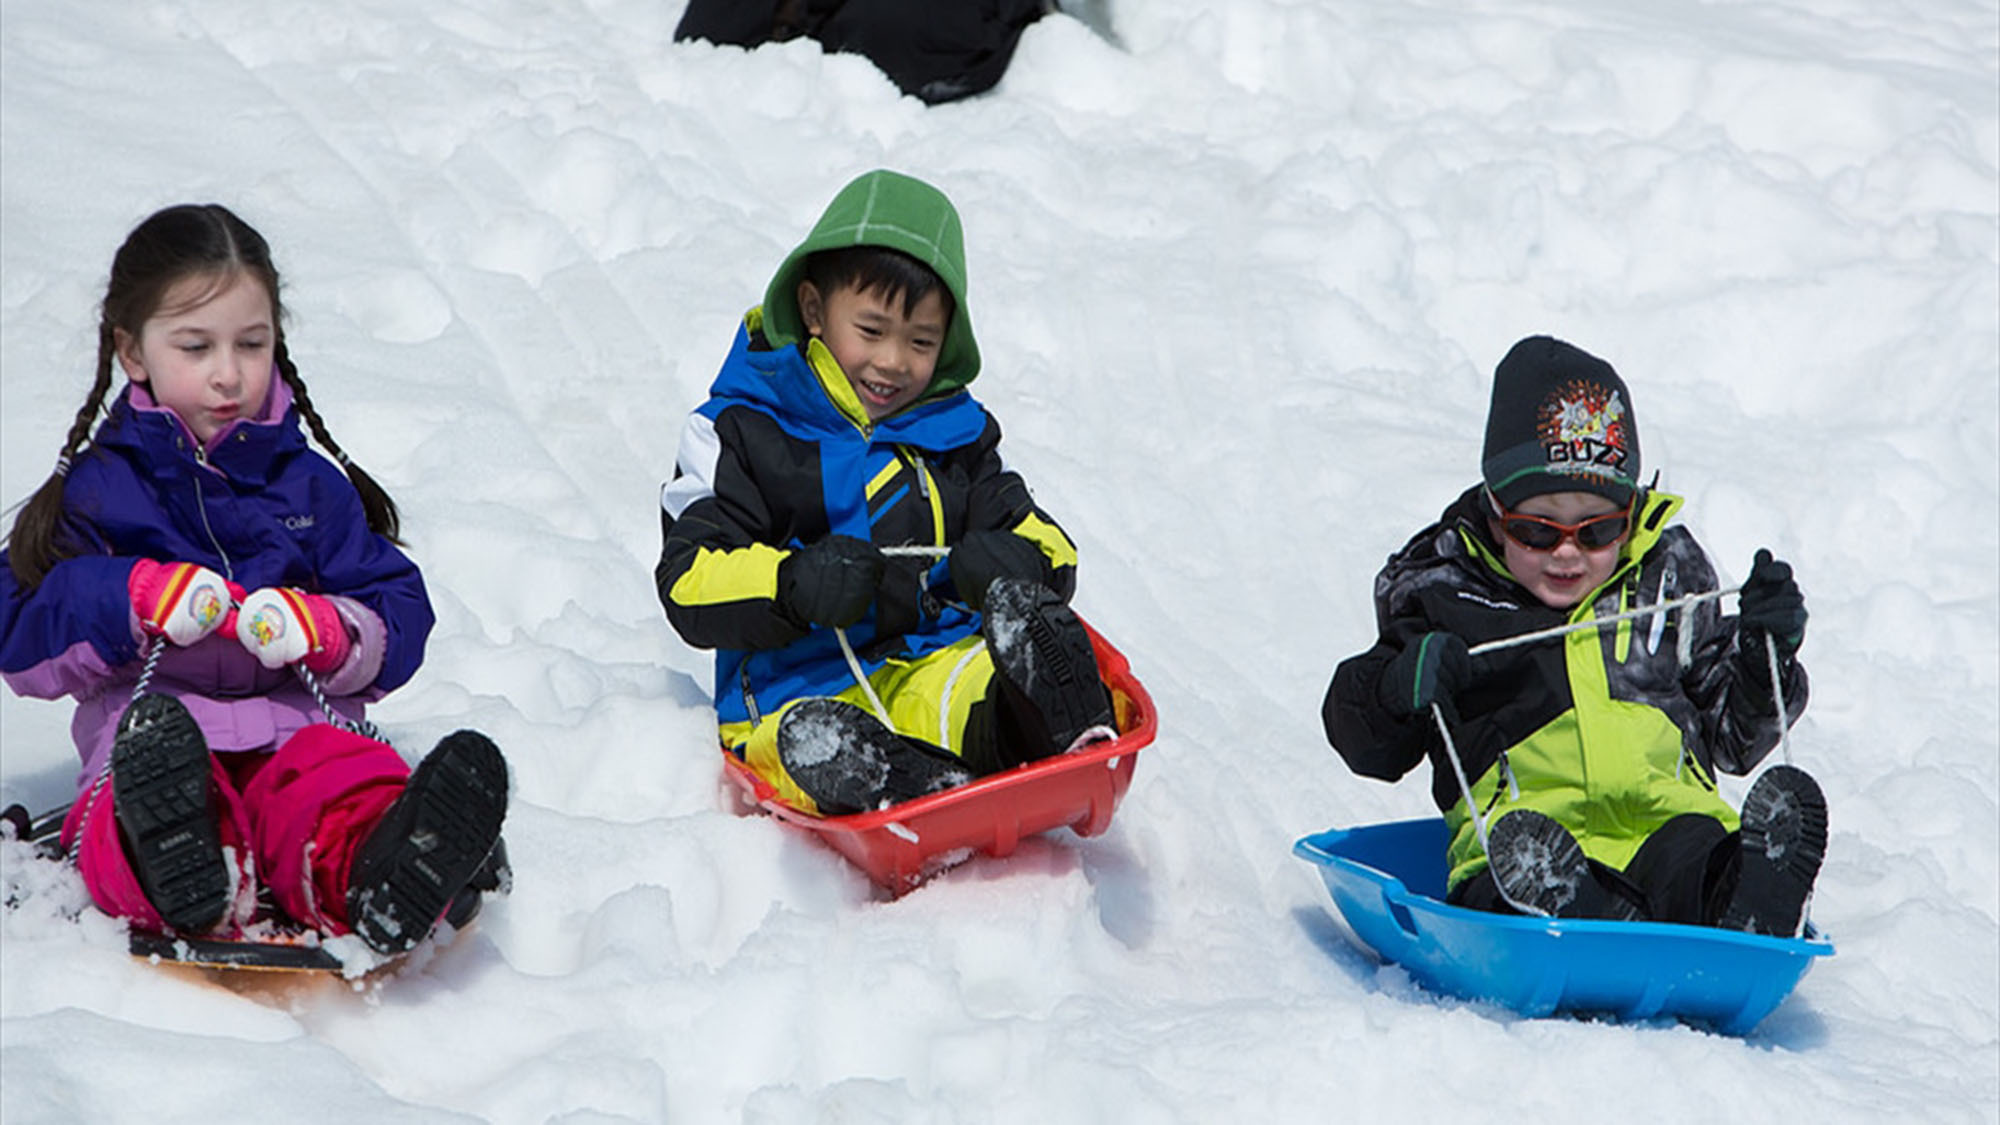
x,y
180,601
281,625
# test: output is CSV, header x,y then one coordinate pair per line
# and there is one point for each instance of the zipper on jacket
x,y
1701,776
1668,578
201,505
916,464
923,474
1628,597
1505,780
749,697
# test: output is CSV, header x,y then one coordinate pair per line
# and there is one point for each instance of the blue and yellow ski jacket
x,y
783,454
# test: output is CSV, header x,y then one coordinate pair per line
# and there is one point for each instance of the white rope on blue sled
x,y
1479,826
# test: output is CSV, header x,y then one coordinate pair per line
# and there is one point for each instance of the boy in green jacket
x,y
1592,755
842,530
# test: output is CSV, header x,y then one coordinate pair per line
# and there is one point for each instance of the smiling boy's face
x,y
1560,577
887,355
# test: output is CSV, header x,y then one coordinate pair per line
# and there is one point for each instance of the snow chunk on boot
x,y
848,762
1042,653
1537,865
1784,840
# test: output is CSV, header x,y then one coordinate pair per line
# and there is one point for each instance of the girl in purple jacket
x,y
221,601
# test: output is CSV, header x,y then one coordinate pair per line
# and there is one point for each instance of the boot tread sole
x,y
160,781
458,798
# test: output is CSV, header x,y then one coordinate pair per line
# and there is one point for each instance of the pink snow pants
x,y
295,826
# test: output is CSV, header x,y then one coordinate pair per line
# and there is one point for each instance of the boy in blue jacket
x,y
887,603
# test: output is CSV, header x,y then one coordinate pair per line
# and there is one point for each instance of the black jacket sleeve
x,y
1371,740
1730,684
997,499
1367,737
717,574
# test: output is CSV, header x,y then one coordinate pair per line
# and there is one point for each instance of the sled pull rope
x,y
1778,699
950,686
1600,622
847,649
362,727
155,648
1479,815
860,677
1770,653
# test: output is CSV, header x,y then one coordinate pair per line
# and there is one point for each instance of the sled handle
x,y
1400,914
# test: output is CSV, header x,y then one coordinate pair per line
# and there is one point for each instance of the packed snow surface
x,y
1241,273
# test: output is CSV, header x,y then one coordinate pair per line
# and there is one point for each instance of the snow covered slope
x,y
1240,288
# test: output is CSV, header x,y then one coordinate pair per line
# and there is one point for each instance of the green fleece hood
x,y
884,208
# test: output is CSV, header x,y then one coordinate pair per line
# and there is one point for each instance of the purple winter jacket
x,y
258,507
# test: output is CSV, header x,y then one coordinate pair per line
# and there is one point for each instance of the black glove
x,y
1434,668
831,582
1770,604
983,556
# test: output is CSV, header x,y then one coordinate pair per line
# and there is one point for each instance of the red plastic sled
x,y
901,846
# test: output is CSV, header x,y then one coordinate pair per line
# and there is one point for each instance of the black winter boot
x,y
1049,680
160,789
1538,865
848,762
494,877
429,845
1784,840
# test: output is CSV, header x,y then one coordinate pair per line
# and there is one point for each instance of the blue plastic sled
x,y
1388,881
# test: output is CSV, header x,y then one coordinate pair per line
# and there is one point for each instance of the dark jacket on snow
x,y
937,50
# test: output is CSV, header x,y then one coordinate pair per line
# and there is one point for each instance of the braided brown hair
x,y
383,519
171,245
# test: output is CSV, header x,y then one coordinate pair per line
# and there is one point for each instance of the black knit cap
x,y
1561,421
